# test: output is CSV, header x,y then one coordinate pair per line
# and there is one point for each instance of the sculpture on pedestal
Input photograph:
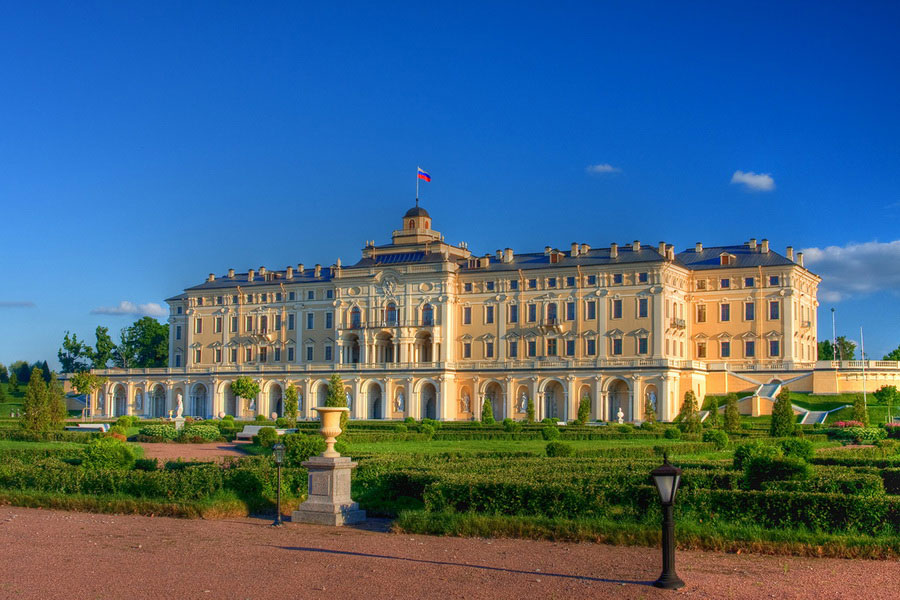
x,y
523,403
620,415
179,410
399,403
465,403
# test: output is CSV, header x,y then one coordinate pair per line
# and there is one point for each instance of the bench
x,y
250,430
90,427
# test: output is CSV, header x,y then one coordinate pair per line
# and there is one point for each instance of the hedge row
x,y
19,435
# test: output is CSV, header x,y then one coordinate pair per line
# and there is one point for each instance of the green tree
x,y
649,412
826,350
2,393
689,416
783,418
85,382
45,371
859,410
290,402
74,355
487,412
244,387
529,411
712,405
732,415
846,348
104,349
4,374
13,383
35,413
337,397
126,351
584,410
145,343
56,402
888,395
892,355
22,370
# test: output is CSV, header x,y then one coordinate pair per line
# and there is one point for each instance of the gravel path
x,y
207,452
53,554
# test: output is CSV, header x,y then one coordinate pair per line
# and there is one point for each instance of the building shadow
x,y
464,565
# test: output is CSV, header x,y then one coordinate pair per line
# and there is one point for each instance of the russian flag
x,y
422,174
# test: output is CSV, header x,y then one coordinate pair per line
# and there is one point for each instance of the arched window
x,y
412,224
355,317
390,315
428,315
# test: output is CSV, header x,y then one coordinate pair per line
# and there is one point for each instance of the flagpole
x,y
417,186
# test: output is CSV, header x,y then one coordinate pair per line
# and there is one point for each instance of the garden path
x,y
215,451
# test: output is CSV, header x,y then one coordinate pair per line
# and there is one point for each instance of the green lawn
x,y
8,444
13,401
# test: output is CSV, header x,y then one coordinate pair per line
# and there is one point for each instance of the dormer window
x,y
555,256
726,259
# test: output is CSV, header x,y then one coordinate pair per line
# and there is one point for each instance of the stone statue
x,y
465,403
620,415
300,402
399,404
252,405
349,401
139,401
523,403
179,410
100,403
651,396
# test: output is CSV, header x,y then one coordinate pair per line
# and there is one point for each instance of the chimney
x,y
661,249
614,250
764,247
318,271
790,253
300,269
250,275
212,277
262,272
752,243
546,250
508,255
574,251
636,246
499,255
230,273
698,247
584,249
289,274
800,258
670,252
338,263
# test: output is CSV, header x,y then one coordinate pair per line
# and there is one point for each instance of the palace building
x,y
422,328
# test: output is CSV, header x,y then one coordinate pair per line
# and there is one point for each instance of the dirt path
x,y
208,452
52,554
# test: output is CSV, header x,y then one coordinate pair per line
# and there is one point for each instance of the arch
x,y
423,347
231,401
619,396
465,406
351,349
321,393
428,399
651,395
199,397
520,406
411,224
375,400
139,400
390,314
355,318
585,392
428,315
276,404
554,400
120,401
158,401
493,391
384,347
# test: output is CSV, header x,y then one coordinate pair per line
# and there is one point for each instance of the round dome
x,y
416,211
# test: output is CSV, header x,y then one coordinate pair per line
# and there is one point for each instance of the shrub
x,y
434,424
745,452
202,433
672,433
427,430
842,424
688,418
117,430
783,418
549,421
124,421
266,437
717,437
283,423
732,414
487,412
892,429
560,449
797,448
107,453
260,418
624,428
400,428
584,411
550,432
859,435
511,426
761,469
650,426
409,420
859,410
529,411
146,464
164,433
299,447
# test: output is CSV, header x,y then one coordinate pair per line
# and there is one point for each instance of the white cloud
x,y
17,304
855,269
602,168
758,182
150,309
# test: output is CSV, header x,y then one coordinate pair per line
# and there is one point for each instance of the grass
x,y
9,444
533,446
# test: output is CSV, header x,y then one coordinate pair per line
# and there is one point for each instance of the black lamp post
x,y
278,454
666,478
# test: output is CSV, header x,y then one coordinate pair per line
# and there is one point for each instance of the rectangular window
x,y
328,351
551,282
642,308
248,324
311,295
309,353
329,320
532,348
617,346
642,345
234,299
532,284
749,282
177,360
234,355
724,312
617,309
701,349
248,354
234,324
290,355
178,332
264,324
570,311
198,355
513,313
749,349
701,313
514,349
217,325
592,280
467,350
265,298
591,310
643,277
489,350
570,347
199,301
551,347
488,314
310,320
220,300
329,294
617,278
467,315
773,280
277,353
750,311
514,284
198,325
591,347
467,287
249,298
291,322
724,283
570,282
774,348
774,309
489,286
277,322
725,349
291,295
263,354
532,313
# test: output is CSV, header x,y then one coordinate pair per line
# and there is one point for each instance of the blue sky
x,y
144,145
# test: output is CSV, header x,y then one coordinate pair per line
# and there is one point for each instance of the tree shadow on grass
x,y
465,565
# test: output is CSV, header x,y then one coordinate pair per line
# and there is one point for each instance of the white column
x,y
536,399
571,399
129,398
658,331
509,405
598,401
637,412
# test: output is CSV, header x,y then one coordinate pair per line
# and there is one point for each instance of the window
x,y
617,346
220,300
329,294
643,277
617,278
467,287
328,351
291,295
592,280
467,315
750,311
532,313
551,313
774,309
725,283
310,320
551,282
591,347
265,298
263,354
290,321
513,313
234,299
725,312
591,309
774,348
309,353
248,323
178,332
489,350
199,301
391,314
570,347
489,286
514,284
642,345
701,349
773,280
248,354
749,282
355,317
277,322
488,314
570,311
617,309
217,325
234,355
642,308
427,315
551,347
290,355
570,282
532,284
725,349
198,325
701,313
749,349
277,356
177,360
701,284
264,324
513,349
311,295
249,298
329,320
532,348
234,325
467,350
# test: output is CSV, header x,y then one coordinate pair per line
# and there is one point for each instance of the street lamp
x,y
666,478
278,454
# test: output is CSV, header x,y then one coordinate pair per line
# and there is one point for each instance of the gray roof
x,y
744,256
595,257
